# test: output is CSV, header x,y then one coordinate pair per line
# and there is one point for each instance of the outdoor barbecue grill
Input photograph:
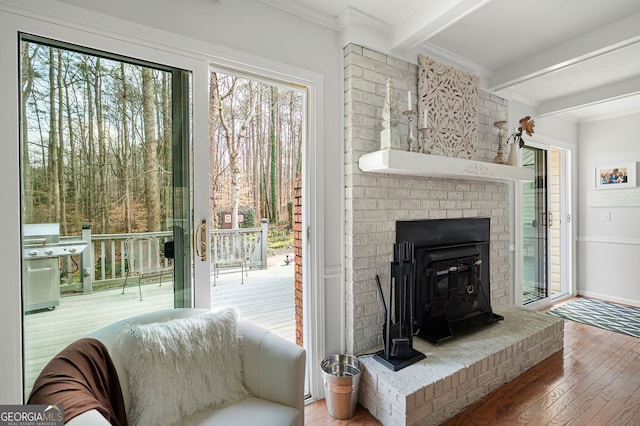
x,y
41,252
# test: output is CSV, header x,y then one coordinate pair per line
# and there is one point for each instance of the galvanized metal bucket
x,y
341,377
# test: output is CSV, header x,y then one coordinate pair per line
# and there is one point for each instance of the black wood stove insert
x,y
452,288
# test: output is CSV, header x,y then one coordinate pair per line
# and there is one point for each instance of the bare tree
x,y
73,175
166,202
124,100
152,197
89,187
62,213
235,113
217,166
27,89
273,158
53,141
102,199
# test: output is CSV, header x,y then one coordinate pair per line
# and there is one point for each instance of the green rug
x,y
610,316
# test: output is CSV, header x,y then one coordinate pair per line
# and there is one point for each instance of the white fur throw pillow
x,y
182,366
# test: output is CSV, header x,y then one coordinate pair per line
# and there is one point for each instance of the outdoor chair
x,y
229,250
144,258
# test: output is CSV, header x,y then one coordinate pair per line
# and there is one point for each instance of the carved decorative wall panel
x,y
448,109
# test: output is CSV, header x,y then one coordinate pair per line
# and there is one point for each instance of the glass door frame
x,y
313,294
10,29
181,181
567,232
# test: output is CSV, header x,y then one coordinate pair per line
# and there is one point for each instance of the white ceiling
x,y
576,58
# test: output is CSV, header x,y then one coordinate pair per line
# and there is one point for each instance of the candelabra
x,y
410,138
501,125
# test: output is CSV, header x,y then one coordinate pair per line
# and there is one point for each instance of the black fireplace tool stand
x,y
397,334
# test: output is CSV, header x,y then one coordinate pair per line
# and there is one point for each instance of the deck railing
x,y
229,246
103,263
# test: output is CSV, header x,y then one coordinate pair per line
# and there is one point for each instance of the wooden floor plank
x,y
621,368
625,396
580,390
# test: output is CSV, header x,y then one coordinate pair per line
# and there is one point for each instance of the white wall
x,y
243,32
608,249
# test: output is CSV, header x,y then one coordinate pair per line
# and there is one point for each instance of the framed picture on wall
x,y
616,175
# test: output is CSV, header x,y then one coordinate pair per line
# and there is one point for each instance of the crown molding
x,y
523,100
360,28
352,16
305,12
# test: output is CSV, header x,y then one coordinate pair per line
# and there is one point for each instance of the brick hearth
x,y
459,372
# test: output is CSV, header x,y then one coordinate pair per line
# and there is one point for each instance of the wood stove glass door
x,y
535,285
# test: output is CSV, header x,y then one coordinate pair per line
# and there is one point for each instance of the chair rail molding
x,y
609,240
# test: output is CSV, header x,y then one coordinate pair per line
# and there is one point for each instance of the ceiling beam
x,y
608,92
582,48
435,16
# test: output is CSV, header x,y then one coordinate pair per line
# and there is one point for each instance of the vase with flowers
x,y
526,126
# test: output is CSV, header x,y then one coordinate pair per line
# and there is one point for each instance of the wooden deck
x,y
266,298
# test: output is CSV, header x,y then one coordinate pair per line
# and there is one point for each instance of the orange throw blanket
x,y
82,377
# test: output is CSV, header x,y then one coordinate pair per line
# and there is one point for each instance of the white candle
x,y
502,116
424,119
409,100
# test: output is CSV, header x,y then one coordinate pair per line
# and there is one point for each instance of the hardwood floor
x,y
316,415
595,381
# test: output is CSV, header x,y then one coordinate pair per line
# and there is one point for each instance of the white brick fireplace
x,y
374,202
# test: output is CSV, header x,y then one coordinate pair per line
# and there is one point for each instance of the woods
x,y
255,148
96,133
97,144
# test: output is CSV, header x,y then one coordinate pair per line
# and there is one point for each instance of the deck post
x,y
264,224
86,260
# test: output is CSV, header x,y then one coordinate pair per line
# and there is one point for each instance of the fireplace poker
x,y
384,305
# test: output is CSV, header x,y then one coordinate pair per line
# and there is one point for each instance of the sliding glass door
x,y
106,199
534,227
545,226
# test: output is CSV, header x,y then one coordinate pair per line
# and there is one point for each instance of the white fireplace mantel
x,y
398,162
